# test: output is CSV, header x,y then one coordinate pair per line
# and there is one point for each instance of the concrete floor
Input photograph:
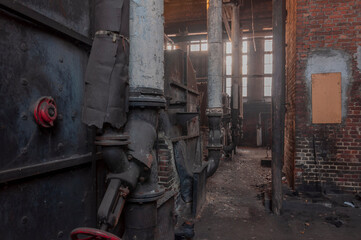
x,y
234,208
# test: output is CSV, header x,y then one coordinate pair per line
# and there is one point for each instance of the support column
x,y
215,60
278,102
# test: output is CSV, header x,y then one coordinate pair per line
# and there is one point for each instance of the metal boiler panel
x,y
48,176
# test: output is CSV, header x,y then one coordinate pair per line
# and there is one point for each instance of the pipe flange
x,y
214,112
112,140
143,197
215,147
147,97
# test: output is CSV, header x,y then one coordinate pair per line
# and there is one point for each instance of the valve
x,y
45,112
92,234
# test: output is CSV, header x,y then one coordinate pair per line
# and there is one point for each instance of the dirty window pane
x,y
204,47
244,64
195,47
268,45
244,47
267,86
244,87
228,47
268,63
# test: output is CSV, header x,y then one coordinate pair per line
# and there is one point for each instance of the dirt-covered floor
x,y
235,207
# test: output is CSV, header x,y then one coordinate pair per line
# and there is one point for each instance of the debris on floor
x,y
239,200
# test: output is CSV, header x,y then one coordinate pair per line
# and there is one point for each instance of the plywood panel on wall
x,y
326,98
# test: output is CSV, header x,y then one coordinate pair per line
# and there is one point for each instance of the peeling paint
x,y
329,61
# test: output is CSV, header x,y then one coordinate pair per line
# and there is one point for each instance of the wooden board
x,y
326,98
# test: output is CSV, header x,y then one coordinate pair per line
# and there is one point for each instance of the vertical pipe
x,y
235,59
215,54
146,81
215,59
146,30
236,78
278,104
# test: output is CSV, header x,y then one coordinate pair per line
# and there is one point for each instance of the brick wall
x,y
289,148
328,156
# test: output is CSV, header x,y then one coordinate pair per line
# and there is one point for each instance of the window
x,y
170,46
196,46
228,67
244,68
267,86
268,67
229,86
244,87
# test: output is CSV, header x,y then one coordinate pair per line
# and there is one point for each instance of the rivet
x,y
24,220
60,146
24,116
60,234
24,150
23,47
24,81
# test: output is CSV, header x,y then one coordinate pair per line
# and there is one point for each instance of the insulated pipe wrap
x,y
146,49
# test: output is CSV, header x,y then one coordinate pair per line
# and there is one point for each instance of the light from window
x,y
244,47
268,45
229,86
244,87
170,46
204,47
228,65
267,86
244,64
196,46
268,60
228,47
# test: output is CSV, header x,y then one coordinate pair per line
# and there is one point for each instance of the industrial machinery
x,y
98,143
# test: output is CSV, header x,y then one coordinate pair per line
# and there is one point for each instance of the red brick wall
x,y
289,149
328,157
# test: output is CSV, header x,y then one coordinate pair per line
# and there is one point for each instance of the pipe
x,y
215,53
236,100
146,59
146,81
215,60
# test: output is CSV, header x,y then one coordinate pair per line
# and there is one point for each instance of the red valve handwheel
x,y
91,234
45,112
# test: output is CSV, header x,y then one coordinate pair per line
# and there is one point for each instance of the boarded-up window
x,y
326,98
